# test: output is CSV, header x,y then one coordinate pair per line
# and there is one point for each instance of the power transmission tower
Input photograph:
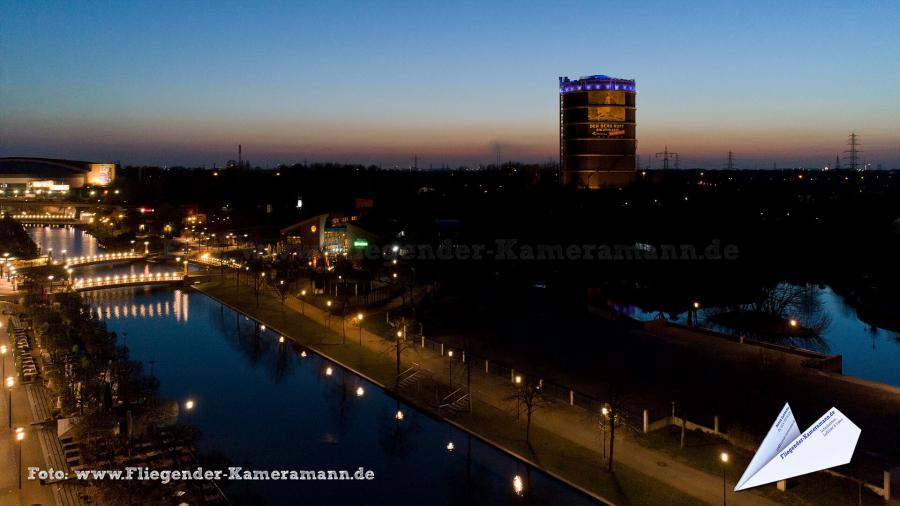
x,y
666,156
730,163
854,151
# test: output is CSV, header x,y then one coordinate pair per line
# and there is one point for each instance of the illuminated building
x,y
329,236
597,142
48,176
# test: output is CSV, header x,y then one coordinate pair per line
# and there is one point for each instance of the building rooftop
x,y
596,82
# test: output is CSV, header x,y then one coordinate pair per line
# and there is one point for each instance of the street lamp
x,y
360,391
450,356
189,405
359,319
10,381
724,458
20,436
3,350
603,423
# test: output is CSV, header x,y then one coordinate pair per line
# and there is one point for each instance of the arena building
x,y
20,176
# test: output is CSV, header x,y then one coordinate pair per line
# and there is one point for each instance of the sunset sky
x,y
174,83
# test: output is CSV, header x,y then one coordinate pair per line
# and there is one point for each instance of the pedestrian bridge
x,y
126,280
104,258
45,218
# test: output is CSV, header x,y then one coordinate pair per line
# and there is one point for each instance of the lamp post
x,y
146,247
605,412
302,301
3,350
20,436
359,319
450,356
518,381
328,314
724,458
9,386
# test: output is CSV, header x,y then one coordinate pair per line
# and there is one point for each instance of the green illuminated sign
x,y
360,243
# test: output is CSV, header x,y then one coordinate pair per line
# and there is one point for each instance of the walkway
x,y
40,448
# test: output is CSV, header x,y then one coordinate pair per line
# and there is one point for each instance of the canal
x,y
264,404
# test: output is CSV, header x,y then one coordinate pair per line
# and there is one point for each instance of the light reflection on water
x,y
868,352
267,404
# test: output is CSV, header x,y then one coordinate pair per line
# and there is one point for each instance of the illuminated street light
x,y
360,391
450,356
20,436
518,379
328,371
793,322
724,458
450,446
189,405
10,381
399,415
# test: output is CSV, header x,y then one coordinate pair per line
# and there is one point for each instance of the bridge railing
x,y
41,216
126,279
106,257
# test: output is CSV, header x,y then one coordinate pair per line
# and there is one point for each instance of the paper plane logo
x,y
786,452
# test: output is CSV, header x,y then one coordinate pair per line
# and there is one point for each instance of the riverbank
x,y
565,440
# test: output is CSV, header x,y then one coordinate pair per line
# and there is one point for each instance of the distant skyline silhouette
x,y
167,83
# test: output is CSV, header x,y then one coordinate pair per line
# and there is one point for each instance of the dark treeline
x,y
15,240
835,227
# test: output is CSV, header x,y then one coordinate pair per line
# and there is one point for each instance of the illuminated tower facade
x,y
597,142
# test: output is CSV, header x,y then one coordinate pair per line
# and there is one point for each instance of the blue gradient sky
x,y
377,82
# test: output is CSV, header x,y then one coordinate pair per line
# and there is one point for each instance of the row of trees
x,y
93,380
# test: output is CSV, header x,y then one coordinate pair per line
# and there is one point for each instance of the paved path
x,y
40,448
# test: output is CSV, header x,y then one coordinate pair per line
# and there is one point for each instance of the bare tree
x,y
529,395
